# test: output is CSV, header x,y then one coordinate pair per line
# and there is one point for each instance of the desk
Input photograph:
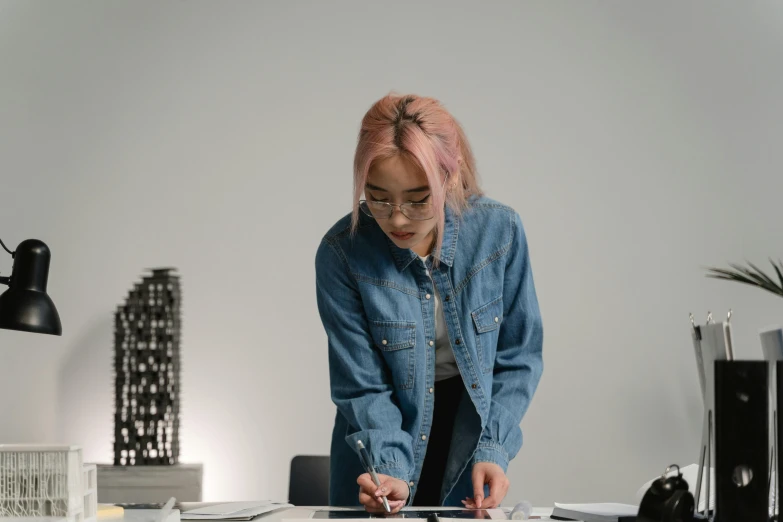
x,y
306,512
276,516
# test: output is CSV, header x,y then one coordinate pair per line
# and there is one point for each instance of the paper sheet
x,y
601,509
234,510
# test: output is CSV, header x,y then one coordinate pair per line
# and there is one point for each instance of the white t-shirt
x,y
445,364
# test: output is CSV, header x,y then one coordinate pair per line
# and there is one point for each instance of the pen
x,y
371,470
164,513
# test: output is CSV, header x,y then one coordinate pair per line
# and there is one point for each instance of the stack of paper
x,y
596,512
234,510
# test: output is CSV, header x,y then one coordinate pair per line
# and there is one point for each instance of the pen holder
x,y
772,348
711,342
778,441
741,441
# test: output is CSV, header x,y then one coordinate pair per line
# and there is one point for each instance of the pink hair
x,y
423,131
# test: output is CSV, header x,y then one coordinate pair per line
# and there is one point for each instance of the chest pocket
x,y
396,340
487,320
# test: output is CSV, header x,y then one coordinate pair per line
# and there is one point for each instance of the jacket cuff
x,y
491,452
393,470
396,471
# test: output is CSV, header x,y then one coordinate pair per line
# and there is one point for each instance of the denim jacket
x,y
374,300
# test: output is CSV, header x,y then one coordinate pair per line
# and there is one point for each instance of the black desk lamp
x,y
25,306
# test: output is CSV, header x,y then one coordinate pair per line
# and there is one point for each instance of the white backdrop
x,y
639,141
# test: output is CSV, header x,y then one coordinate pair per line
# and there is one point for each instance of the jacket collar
x,y
404,256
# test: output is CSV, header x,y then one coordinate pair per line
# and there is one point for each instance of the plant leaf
x,y
779,270
750,276
759,280
733,277
761,274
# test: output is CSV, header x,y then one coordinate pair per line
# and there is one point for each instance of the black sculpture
x,y
147,365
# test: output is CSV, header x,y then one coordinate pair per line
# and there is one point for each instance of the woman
x,y
426,294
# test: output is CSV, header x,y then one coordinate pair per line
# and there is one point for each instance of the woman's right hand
x,y
395,490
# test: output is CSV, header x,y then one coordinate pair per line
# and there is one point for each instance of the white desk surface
x,y
306,512
276,516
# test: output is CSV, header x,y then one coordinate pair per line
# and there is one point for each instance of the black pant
x,y
448,394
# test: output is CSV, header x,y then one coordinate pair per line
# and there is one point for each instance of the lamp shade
x,y
26,306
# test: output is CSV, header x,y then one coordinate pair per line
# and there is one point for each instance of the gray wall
x,y
639,141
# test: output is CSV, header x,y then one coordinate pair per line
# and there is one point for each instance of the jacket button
x,y
432,343
473,385
432,390
423,437
496,319
458,341
427,296
410,483
384,342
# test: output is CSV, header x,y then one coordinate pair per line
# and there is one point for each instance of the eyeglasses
x,y
412,211
384,210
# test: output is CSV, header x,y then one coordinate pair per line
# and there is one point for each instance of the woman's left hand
x,y
492,474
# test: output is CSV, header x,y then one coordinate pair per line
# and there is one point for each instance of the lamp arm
x,y
6,280
6,248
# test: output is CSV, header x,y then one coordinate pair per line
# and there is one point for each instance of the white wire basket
x,y
42,481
